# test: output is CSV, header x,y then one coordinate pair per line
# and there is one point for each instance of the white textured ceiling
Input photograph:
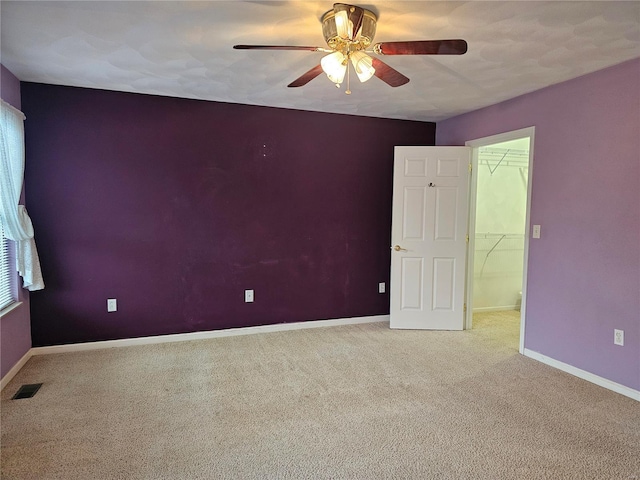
x,y
184,49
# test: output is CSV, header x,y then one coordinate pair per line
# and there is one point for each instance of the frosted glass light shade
x,y
336,29
363,64
343,25
335,66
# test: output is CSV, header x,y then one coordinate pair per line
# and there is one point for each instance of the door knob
x,y
398,248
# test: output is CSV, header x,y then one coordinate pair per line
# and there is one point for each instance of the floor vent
x,y
27,391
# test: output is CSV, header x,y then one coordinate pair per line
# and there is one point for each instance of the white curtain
x,y
14,217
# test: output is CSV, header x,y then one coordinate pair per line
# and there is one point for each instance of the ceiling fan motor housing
x,y
360,42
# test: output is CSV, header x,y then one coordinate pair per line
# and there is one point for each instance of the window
x,y
11,151
7,273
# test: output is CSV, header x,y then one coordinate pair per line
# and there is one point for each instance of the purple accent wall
x,y
584,271
9,87
176,206
15,329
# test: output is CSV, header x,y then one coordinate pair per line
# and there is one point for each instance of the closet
x,y
501,204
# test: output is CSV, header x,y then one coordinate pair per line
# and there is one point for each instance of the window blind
x,y
7,273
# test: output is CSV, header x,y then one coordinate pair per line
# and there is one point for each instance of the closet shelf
x,y
498,235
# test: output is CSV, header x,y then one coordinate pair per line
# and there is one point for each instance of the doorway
x,y
500,192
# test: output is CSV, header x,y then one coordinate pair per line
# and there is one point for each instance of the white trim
x,y
471,249
9,308
495,309
475,144
185,337
590,377
15,369
584,375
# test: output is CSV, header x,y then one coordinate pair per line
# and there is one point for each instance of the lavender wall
x,y
175,207
15,330
584,271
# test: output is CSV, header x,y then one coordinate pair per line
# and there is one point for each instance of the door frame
x,y
473,193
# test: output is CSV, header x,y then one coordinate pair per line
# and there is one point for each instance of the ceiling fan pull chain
x,y
348,90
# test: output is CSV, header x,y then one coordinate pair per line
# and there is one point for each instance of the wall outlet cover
x,y
618,337
112,305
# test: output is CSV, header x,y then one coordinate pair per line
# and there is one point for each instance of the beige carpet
x,y
352,402
501,327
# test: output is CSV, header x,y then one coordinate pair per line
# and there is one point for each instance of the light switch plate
x,y
248,296
536,231
382,287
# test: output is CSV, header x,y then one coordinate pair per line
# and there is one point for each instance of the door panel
x,y
412,275
414,214
445,213
430,208
443,283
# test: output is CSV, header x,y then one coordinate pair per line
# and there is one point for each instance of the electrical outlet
x,y
618,337
112,305
248,296
382,287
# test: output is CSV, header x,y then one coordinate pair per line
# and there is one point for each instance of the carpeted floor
x,y
352,402
501,327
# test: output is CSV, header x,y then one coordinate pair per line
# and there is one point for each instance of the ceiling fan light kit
x,y
335,66
349,31
363,65
337,27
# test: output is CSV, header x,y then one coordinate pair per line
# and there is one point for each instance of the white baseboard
x,y
15,369
185,337
583,374
495,309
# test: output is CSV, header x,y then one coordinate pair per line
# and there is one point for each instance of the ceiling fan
x,y
349,31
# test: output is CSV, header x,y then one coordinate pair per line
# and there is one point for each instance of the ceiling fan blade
x,y
306,77
422,47
279,47
388,74
348,20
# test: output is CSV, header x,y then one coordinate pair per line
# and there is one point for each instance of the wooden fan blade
x,y
306,77
355,16
422,47
278,47
387,74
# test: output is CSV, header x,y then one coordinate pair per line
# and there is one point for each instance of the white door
x,y
429,237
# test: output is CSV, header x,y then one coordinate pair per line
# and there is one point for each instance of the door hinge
x,y
470,167
464,308
467,238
